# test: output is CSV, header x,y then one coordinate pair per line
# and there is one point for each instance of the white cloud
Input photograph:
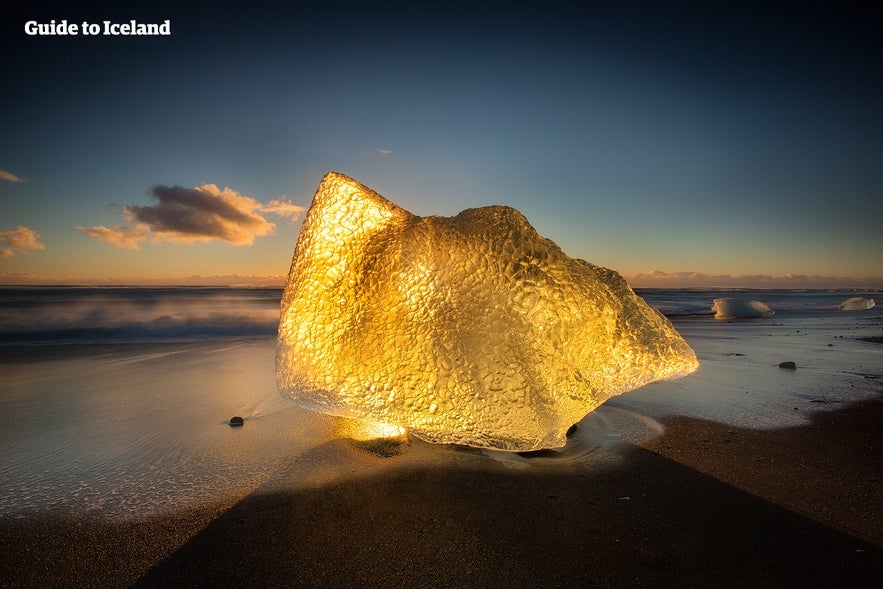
x,y
385,151
21,238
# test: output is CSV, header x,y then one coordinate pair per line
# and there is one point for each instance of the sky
x,y
681,144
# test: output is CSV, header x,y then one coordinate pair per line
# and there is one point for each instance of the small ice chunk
x,y
857,304
470,329
735,308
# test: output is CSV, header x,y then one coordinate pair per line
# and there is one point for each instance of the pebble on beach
x,y
789,365
236,421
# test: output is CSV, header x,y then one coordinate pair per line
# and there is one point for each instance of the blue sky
x,y
703,141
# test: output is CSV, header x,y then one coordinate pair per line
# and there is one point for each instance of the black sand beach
x,y
703,505
119,469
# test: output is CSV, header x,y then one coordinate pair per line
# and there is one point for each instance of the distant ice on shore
x,y
734,308
857,304
122,431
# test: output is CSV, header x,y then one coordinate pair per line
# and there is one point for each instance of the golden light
x,y
363,431
470,329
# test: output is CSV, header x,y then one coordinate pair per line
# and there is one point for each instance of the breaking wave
x,y
689,302
76,315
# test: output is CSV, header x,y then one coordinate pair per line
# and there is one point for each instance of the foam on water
x,y
690,302
131,430
127,434
36,316
52,315
739,382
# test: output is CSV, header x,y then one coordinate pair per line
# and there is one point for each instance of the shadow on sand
x,y
354,515
647,521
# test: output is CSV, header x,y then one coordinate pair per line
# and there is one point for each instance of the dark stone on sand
x,y
236,421
788,365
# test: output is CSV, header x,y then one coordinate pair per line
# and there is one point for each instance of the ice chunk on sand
x,y
734,308
470,329
857,304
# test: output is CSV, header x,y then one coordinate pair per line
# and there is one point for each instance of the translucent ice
x,y
470,329
729,308
857,304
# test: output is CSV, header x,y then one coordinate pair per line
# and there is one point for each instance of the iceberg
x,y
470,329
857,304
735,308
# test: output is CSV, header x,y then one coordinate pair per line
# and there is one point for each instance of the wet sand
x,y
704,504
741,475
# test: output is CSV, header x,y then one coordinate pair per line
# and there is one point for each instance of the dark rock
x,y
236,421
788,365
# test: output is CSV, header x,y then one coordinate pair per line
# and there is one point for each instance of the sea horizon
x,y
116,404
41,315
159,370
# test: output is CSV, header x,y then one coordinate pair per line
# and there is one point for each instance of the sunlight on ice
x,y
471,329
362,430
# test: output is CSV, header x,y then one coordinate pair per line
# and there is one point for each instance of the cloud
x,y
21,238
283,207
199,214
203,213
384,151
10,177
234,280
660,279
123,237
16,277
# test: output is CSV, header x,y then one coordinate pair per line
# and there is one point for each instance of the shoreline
x,y
703,504
663,514
740,475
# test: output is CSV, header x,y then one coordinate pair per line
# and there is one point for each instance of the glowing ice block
x,y
470,329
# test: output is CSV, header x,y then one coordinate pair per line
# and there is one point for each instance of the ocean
x,y
33,316
91,315
115,401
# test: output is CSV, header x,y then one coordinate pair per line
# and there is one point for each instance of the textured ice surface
x,y
470,329
729,308
857,304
